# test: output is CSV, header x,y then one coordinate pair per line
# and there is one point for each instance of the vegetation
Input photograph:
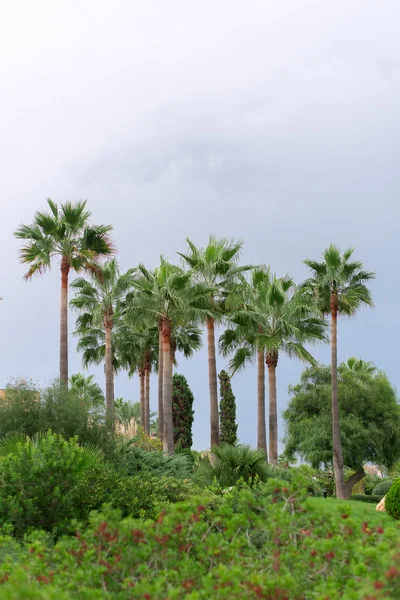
x,y
274,316
392,501
369,417
227,413
338,287
182,412
266,542
65,233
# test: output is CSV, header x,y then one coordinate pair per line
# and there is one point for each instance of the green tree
x,y
369,417
86,390
182,411
356,366
65,233
217,268
338,287
276,317
98,303
227,410
166,297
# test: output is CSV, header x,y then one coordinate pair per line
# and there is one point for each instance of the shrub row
x,y
263,543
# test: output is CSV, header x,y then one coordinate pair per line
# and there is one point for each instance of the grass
x,y
359,511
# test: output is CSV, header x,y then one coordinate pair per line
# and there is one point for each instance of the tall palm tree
x,y
65,233
98,302
168,297
186,339
338,286
215,266
277,318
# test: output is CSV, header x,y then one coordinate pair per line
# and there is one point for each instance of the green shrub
x,y
365,498
382,488
182,411
392,500
247,545
37,478
234,463
370,483
131,460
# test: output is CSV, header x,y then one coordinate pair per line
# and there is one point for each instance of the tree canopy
x,y
369,417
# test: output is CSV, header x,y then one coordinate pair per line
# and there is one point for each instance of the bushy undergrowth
x,y
131,460
392,501
366,498
383,487
37,479
263,542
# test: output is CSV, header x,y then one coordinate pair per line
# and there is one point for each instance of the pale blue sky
x,y
274,122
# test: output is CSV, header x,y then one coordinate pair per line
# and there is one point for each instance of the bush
x,y
130,460
247,545
392,500
28,410
366,498
382,488
370,483
234,463
36,480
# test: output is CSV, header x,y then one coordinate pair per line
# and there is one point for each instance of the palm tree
x,y
166,296
98,303
186,339
87,390
216,267
356,366
338,286
65,233
277,318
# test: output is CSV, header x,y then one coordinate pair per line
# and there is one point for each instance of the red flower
x,y
313,553
392,573
378,585
329,555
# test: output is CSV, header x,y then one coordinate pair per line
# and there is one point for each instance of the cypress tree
x,y
182,411
227,410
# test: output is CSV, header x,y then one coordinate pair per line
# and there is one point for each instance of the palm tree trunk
x,y
261,429
64,323
147,401
160,385
168,434
336,442
212,379
142,398
110,406
272,362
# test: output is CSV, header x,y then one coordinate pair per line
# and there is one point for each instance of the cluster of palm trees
x,y
140,319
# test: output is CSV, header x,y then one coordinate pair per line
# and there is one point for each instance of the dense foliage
x,y
182,411
37,479
266,542
392,501
382,488
28,410
227,414
369,416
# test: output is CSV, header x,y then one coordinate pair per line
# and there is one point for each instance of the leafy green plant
x,y
392,500
131,460
263,542
382,488
227,412
182,411
234,463
366,498
37,477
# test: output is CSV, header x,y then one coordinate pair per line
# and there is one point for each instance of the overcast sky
x,y
276,122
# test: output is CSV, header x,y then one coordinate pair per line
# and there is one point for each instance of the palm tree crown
x,y
99,302
274,317
63,233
